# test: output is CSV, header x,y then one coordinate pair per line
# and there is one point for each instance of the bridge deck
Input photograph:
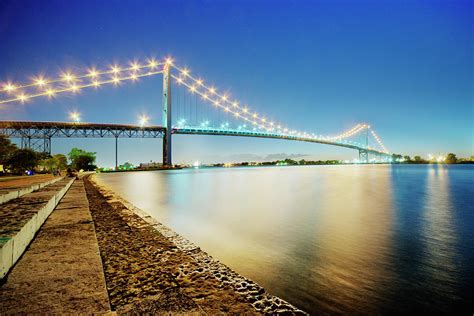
x,y
48,130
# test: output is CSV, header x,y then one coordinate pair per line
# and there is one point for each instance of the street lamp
x,y
75,116
143,120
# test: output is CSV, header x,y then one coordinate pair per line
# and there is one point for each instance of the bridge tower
x,y
167,116
363,156
363,153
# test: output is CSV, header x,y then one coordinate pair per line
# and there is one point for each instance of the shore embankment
x,y
150,268
96,253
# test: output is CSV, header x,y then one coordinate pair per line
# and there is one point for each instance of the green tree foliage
x,y
418,159
396,157
6,149
57,162
21,160
84,162
407,159
451,158
60,161
47,164
81,159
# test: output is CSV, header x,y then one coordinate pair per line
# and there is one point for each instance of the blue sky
x,y
405,67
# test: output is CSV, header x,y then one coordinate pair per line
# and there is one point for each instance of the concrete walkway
x,y
61,271
15,187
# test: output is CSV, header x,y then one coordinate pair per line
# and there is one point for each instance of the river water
x,y
329,239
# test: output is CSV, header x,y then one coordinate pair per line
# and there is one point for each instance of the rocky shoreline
x,y
151,269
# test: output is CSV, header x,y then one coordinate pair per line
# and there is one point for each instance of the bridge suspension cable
x,y
70,82
222,101
379,141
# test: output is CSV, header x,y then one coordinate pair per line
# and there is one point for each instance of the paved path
x,y
24,181
61,271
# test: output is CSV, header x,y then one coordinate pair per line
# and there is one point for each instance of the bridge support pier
x,y
41,144
116,153
363,156
167,161
47,145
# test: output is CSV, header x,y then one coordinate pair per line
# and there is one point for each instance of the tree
x,y
396,158
451,158
22,159
418,159
84,162
54,163
407,158
6,149
47,164
81,159
60,161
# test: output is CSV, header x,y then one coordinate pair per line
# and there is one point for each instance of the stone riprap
x,y
22,217
15,188
151,269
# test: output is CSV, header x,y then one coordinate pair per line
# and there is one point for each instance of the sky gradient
x,y
405,67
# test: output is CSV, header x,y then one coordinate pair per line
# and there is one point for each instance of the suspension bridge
x,y
191,98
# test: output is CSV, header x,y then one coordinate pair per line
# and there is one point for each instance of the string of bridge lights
x,y
233,107
223,101
352,132
379,141
69,82
73,83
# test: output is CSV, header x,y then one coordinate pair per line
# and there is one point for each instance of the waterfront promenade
x,y
97,254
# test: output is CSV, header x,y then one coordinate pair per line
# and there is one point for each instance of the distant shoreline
x,y
224,166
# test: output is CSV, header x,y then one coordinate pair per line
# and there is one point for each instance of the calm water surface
x,y
329,239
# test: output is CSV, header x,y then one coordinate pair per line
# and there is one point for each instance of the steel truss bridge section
x,y
37,135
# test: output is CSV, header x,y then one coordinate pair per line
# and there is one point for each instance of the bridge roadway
x,y
27,130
